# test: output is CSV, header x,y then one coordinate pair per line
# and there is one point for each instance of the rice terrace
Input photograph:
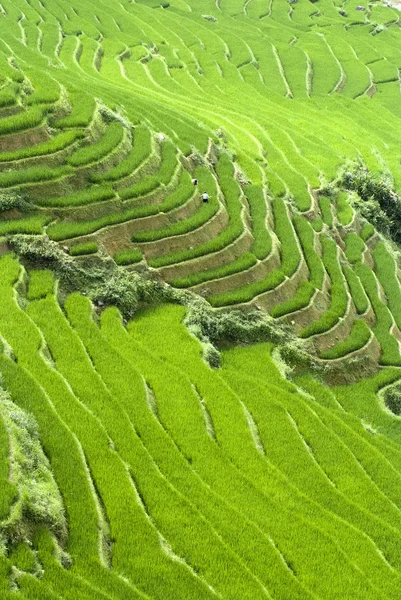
x,y
200,299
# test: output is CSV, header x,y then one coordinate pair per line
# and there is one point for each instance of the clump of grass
x,y
84,248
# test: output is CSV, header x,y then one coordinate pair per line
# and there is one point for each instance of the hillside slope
x,y
179,481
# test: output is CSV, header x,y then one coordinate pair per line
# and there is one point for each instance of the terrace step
x,y
232,282
208,261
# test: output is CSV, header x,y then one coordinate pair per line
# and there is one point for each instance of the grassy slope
x,y
228,483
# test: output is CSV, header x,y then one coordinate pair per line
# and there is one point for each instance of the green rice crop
x,y
244,262
164,174
128,257
339,297
87,196
344,209
367,231
65,229
290,258
59,142
231,192
41,283
307,239
83,108
84,248
388,343
354,246
139,153
109,141
262,245
32,175
386,271
358,338
24,120
326,209
301,298
357,292
28,225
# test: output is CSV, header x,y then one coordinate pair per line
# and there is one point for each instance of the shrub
x,y
392,398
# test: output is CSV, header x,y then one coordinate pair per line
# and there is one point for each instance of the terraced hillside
x,y
131,467
275,491
261,102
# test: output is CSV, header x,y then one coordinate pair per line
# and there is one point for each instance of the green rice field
x,y
200,300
